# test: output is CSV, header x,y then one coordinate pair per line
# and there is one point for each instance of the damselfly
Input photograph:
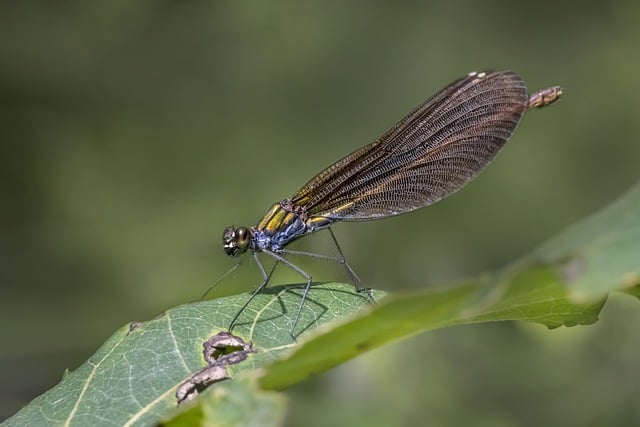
x,y
434,151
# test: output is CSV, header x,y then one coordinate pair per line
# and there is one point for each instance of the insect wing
x,y
434,151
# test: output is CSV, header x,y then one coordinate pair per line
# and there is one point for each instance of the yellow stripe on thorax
x,y
276,219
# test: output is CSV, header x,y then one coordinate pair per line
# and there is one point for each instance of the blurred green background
x,y
133,132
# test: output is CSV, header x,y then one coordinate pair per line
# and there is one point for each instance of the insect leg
x,y
265,280
304,274
355,280
357,283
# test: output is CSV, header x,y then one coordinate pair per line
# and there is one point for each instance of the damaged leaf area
x,y
221,350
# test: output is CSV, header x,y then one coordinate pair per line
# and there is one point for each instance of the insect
x,y
434,151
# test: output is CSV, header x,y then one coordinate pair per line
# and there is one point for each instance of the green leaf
x,y
132,379
601,253
536,295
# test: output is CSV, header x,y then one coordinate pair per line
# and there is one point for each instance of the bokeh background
x,y
133,132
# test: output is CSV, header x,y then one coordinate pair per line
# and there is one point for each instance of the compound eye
x,y
235,240
242,237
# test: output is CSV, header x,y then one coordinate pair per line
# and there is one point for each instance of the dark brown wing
x,y
434,151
